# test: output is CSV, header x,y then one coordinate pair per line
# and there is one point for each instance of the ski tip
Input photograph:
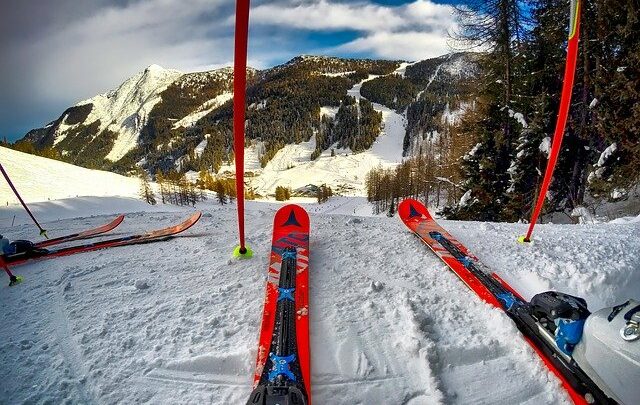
x,y
242,253
292,215
410,208
523,239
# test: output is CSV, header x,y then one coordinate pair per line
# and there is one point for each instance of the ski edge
x,y
151,236
89,233
484,293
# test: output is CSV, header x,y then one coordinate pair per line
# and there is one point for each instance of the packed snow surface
x,y
40,179
177,321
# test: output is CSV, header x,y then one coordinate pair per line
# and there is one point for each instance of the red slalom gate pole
x,y
239,95
43,232
565,101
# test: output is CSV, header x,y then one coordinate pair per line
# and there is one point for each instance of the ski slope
x,y
41,179
345,172
177,321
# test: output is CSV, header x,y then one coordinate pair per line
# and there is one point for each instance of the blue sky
x,y
56,53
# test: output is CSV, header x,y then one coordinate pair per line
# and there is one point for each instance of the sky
x,y
56,53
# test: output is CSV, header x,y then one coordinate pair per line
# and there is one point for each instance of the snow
x,y
345,172
338,74
583,214
60,132
203,110
545,146
452,117
518,117
40,179
604,156
177,321
617,193
473,151
199,149
329,111
464,200
125,110
402,69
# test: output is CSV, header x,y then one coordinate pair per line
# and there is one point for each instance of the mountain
x,y
165,120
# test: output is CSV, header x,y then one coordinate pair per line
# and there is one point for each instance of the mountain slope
x,y
112,120
41,179
298,115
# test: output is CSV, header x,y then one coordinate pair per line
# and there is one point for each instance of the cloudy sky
x,y
55,53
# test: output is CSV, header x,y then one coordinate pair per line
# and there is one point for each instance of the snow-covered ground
x,y
177,321
40,179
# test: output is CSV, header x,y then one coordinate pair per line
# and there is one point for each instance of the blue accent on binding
x,y
292,220
568,334
285,294
436,235
466,261
289,254
508,299
413,212
281,366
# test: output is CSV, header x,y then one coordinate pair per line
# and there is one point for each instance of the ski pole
x,y
43,232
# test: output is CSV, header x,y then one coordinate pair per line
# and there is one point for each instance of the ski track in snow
x,y
389,323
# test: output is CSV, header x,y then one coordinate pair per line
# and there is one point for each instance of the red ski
x,y
282,372
152,236
89,233
492,289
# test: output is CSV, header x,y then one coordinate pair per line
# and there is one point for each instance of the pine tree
x,y
497,26
146,192
160,179
221,194
617,97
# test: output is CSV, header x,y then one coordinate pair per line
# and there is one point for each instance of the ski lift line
x,y
43,232
565,102
239,105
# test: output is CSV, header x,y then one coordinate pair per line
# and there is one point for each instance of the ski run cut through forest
x,y
178,321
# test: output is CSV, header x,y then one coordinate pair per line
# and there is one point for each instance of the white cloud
x,y
325,16
100,51
412,31
400,45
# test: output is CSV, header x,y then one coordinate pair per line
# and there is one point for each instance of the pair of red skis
x,y
282,374
40,250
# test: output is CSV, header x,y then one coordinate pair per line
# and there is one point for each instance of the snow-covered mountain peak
x,y
125,110
154,68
